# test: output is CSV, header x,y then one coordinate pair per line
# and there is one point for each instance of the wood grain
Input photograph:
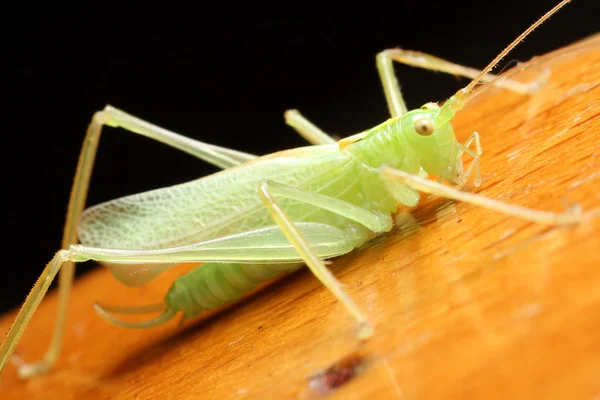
x,y
466,303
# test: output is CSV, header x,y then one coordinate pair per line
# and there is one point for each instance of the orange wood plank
x,y
466,303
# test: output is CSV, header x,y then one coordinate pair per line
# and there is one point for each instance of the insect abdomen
x,y
215,284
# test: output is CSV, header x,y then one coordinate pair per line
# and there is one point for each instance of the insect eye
x,y
424,127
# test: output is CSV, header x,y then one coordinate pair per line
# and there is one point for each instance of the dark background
x,y
221,76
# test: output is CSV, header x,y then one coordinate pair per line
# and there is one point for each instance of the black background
x,y
224,76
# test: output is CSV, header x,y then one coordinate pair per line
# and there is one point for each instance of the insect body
x,y
264,216
334,195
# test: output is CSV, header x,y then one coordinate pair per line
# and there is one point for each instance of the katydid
x,y
264,216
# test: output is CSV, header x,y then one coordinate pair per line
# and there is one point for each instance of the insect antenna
x,y
533,86
167,315
464,95
531,63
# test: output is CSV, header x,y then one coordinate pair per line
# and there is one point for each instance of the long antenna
x,y
469,88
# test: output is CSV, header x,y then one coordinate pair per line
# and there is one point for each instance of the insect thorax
x,y
386,145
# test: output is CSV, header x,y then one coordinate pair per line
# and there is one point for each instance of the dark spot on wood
x,y
337,374
260,327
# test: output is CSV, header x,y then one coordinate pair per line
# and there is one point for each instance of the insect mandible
x,y
265,216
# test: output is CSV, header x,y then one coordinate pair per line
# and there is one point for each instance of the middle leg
x,y
571,216
377,223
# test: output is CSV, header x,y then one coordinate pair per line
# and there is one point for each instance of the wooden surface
x,y
466,303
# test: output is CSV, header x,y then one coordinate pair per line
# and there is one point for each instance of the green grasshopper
x,y
265,216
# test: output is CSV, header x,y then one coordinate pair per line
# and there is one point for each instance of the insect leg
x,y
427,61
307,129
464,148
218,156
262,245
26,312
262,253
302,246
571,216
375,222
391,87
221,157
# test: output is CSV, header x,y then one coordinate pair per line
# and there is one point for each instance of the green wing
x,y
221,204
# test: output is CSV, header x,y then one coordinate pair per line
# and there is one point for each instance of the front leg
x,y
464,148
391,86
